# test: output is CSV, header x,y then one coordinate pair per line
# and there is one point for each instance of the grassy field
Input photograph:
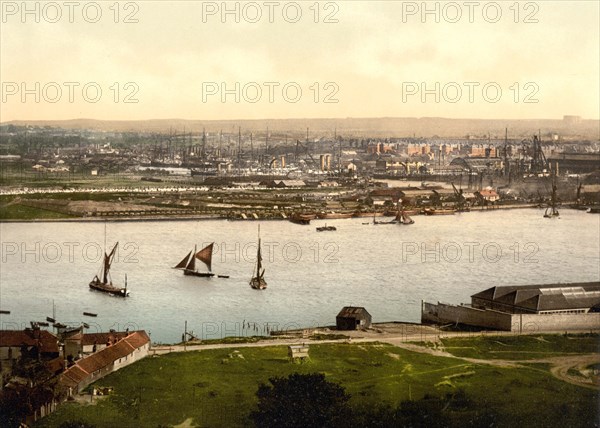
x,y
23,212
522,347
217,387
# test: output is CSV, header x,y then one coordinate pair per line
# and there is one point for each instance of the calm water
x,y
388,269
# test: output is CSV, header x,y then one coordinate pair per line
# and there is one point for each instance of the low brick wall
x,y
442,313
520,323
528,323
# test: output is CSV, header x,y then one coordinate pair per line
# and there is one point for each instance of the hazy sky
x,y
374,58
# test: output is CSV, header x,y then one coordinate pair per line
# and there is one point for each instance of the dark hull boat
x,y
302,218
106,288
326,228
430,211
551,211
200,274
103,281
188,264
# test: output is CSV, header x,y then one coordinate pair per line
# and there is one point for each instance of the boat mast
x,y
107,262
258,257
192,263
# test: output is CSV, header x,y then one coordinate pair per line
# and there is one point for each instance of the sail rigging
x,y
108,259
188,263
205,255
258,282
106,284
182,264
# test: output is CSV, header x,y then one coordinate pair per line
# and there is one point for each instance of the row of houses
x,y
391,196
72,360
110,358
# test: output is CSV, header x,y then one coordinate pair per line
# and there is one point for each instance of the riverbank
x,y
224,216
217,387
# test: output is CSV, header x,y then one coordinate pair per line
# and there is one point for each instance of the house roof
x,y
352,311
102,338
99,360
47,342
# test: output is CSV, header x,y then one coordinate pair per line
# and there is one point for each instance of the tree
x,y
301,400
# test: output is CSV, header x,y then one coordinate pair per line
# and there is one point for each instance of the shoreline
x,y
213,217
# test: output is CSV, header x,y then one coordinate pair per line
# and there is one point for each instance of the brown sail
x,y
105,284
188,264
258,282
205,255
182,264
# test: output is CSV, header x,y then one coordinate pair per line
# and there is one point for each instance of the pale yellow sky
x,y
375,60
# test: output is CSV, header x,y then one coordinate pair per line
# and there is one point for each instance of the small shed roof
x,y
352,311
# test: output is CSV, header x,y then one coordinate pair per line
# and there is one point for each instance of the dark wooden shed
x,y
353,318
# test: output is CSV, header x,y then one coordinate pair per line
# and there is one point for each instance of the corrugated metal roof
x,y
545,297
352,310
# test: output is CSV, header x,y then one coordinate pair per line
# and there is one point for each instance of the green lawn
x,y
22,212
522,347
217,387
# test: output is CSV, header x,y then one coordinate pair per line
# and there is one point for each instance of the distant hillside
x,y
382,127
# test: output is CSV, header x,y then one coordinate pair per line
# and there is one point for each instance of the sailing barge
x,y
105,285
258,278
403,218
188,264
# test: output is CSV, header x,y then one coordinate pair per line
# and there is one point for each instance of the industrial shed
x,y
353,318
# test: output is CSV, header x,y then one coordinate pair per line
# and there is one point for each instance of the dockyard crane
x,y
460,199
538,159
307,152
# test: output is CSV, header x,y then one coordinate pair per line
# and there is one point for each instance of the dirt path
x,y
560,365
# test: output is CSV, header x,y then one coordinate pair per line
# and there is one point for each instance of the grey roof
x,y
545,297
351,311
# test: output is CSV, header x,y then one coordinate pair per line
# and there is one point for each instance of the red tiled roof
x,y
110,354
97,361
138,339
47,341
73,376
102,338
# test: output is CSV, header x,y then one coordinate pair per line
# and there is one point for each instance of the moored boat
x,y
326,228
258,281
438,211
188,264
333,215
103,281
302,218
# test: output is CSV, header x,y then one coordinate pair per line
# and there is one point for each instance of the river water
x,y
311,275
